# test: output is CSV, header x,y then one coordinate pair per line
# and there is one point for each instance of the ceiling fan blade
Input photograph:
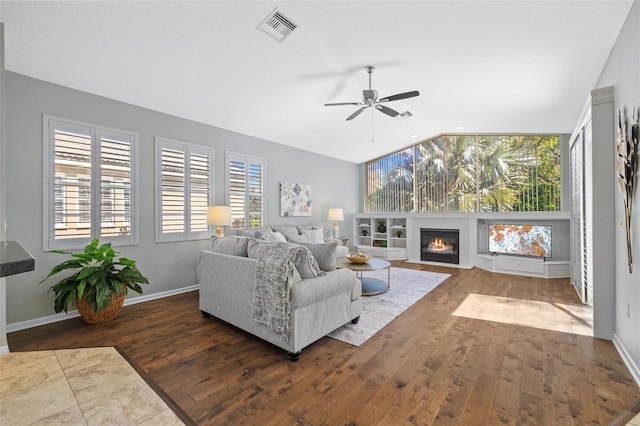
x,y
400,96
387,110
355,114
343,103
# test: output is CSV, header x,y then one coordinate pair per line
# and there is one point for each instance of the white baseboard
x,y
22,325
4,349
626,358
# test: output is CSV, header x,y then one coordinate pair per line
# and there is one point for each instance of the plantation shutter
x,y
185,181
115,184
72,167
200,190
173,191
245,190
89,176
578,219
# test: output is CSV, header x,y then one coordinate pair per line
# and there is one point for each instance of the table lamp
x,y
219,216
336,215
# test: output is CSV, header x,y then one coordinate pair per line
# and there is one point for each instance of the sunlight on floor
x,y
577,319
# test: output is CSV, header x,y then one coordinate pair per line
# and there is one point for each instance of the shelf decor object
x,y
627,163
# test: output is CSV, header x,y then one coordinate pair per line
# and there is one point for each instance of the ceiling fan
x,y
370,99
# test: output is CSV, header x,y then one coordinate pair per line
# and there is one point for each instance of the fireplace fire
x,y
440,245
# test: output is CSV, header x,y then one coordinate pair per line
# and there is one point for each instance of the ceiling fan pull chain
x,y
371,126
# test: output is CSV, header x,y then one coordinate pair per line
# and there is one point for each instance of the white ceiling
x,y
480,66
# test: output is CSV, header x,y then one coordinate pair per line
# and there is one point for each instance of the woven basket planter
x,y
107,314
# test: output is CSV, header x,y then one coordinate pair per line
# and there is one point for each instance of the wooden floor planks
x,y
427,367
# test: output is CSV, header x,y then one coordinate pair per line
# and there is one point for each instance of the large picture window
x,y
245,189
468,173
184,188
89,180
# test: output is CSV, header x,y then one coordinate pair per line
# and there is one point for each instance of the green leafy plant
x,y
99,272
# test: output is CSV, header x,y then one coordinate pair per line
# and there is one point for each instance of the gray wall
x,y
168,266
622,71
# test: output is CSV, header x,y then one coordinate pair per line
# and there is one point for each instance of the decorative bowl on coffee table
x,y
358,258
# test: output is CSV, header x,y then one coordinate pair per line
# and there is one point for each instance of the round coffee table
x,y
370,286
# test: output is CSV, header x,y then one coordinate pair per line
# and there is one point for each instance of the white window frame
x,y
49,126
247,159
187,149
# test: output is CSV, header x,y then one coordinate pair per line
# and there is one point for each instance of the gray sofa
x,y
319,304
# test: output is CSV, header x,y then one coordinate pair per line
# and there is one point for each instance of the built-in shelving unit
x,y
381,235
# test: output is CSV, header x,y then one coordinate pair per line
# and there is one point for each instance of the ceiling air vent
x,y
277,25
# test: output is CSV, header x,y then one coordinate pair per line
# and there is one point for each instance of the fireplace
x,y
440,245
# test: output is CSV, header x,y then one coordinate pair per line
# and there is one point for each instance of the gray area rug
x,y
407,287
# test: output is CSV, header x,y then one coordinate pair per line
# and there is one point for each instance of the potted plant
x,y
364,232
399,233
382,226
99,285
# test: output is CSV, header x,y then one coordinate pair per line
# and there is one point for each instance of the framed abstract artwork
x,y
295,199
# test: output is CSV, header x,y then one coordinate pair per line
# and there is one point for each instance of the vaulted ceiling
x,y
480,66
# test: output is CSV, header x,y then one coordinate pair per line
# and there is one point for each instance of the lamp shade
x,y
219,215
336,214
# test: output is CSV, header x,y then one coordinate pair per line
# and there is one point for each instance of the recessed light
x,y
459,127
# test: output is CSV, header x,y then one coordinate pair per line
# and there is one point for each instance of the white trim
x,y
4,349
627,359
22,325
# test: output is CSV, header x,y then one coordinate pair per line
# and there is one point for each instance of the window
x,y
184,188
245,176
468,173
89,180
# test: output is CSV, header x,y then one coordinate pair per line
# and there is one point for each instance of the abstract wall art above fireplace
x,y
295,199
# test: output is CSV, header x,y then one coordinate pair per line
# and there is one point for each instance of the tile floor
x,y
93,386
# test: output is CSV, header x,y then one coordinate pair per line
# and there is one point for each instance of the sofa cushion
x,y
297,239
269,235
253,233
286,230
306,265
265,235
233,245
313,236
279,237
325,254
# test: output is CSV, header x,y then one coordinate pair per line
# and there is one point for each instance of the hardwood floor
x,y
428,366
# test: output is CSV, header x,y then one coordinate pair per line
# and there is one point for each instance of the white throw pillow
x,y
279,237
313,236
